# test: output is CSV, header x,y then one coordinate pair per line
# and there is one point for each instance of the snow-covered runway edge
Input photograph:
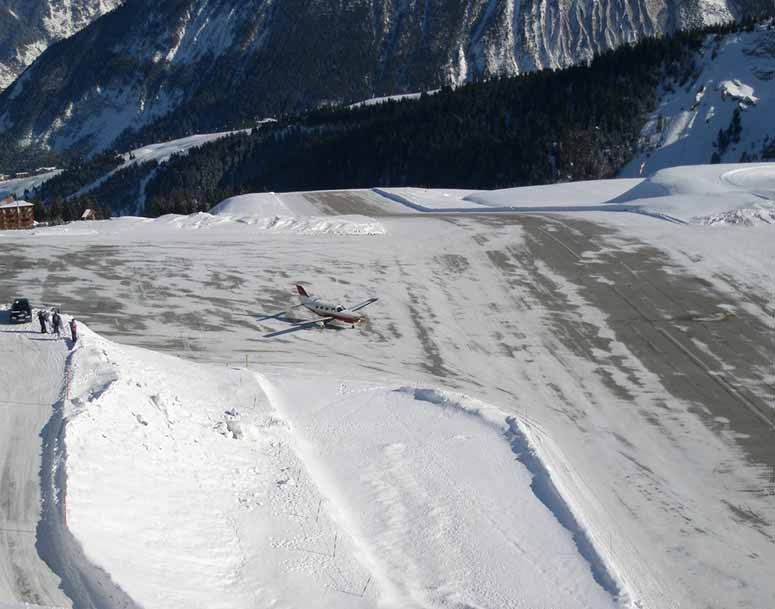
x,y
213,486
84,583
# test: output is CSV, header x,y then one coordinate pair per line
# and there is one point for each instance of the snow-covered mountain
x,y
725,113
28,27
204,64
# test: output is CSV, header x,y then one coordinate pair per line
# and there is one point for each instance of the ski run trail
x,y
566,409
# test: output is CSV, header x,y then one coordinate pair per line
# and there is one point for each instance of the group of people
x,y
55,319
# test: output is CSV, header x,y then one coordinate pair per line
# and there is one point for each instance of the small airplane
x,y
328,313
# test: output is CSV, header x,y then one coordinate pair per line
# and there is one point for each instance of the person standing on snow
x,y
42,320
56,322
74,330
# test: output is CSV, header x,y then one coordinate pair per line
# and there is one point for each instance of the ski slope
x,y
548,408
18,186
160,153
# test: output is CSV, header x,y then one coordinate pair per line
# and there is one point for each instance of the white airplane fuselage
x,y
326,309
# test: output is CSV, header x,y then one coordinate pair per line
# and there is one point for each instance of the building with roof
x,y
16,215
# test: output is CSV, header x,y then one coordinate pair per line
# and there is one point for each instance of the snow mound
x,y
751,216
431,478
189,467
260,205
335,225
301,225
267,211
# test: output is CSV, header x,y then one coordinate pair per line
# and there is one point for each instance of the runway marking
x,y
559,242
726,385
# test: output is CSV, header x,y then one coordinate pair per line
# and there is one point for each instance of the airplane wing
x,y
274,315
299,326
363,305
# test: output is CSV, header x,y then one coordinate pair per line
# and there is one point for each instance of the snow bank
x,y
240,490
334,225
591,192
260,205
750,216
431,479
183,484
268,211
346,225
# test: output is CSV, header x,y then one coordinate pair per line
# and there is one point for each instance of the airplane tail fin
x,y
302,291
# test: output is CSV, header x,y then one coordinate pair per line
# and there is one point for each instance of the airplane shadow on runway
x,y
296,324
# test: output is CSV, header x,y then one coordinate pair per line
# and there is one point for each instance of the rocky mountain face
x,y
29,27
157,70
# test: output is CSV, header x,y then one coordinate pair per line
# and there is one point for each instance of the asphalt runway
x,y
701,344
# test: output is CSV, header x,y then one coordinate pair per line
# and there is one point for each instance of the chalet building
x,y
16,215
89,214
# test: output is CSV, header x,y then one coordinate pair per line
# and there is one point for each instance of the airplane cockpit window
x,y
339,309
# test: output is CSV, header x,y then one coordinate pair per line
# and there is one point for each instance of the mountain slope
x,y
724,113
28,27
578,123
188,66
